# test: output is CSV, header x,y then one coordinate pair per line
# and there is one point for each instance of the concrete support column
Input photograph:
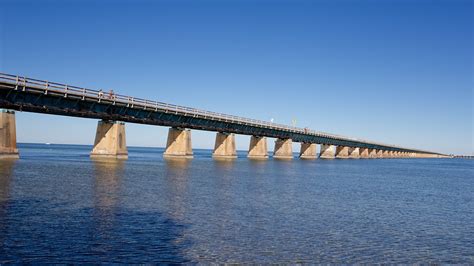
x,y
283,149
372,153
364,153
8,135
327,151
354,152
342,152
308,151
179,144
258,148
379,154
225,146
385,154
110,141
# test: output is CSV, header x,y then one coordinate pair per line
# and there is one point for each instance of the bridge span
x,y
32,95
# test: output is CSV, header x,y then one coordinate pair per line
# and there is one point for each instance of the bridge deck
x,y
32,95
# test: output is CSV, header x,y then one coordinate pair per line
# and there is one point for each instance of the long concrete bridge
x,y
39,96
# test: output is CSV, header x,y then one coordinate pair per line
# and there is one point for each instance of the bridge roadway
x,y
39,96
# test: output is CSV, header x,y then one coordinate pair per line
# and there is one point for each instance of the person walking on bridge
x,y
111,94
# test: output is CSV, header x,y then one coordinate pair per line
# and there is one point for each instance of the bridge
x,y
32,95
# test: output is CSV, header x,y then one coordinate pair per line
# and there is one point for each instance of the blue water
x,y
57,205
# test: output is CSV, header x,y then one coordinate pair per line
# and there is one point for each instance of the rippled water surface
x,y
57,205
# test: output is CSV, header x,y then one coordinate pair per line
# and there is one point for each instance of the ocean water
x,y
57,205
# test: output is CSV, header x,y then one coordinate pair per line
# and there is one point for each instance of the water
x,y
57,205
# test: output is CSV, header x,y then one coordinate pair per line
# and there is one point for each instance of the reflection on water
x,y
224,164
67,208
177,164
176,182
108,174
6,172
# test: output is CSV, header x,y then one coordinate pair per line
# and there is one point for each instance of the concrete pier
x,y
364,153
258,148
283,149
372,153
379,154
327,151
354,152
385,154
342,152
308,151
225,146
178,144
8,147
110,141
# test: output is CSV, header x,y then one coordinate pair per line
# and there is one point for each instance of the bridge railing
x,y
24,83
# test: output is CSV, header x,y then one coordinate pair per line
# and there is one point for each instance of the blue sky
x,y
399,72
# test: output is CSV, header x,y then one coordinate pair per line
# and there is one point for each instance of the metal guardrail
x,y
27,84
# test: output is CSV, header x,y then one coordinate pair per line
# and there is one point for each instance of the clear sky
x,y
399,72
